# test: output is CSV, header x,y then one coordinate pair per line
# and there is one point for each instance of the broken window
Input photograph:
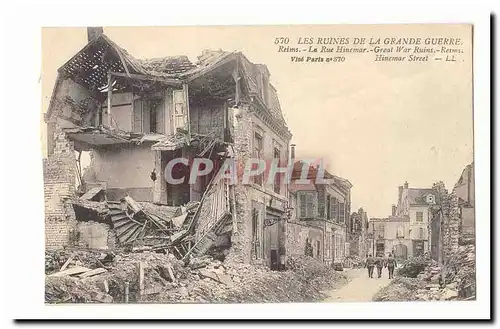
x,y
277,176
258,154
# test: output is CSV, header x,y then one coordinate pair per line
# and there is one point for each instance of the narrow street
x,y
360,288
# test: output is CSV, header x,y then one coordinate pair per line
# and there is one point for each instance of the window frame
x,y
277,177
258,152
417,213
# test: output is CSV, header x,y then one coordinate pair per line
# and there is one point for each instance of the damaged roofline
x,y
165,81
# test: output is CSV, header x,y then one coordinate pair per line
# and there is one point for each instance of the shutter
x,y
332,207
341,213
310,205
302,205
321,201
145,116
137,116
160,117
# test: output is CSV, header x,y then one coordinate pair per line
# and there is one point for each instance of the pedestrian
x,y
391,264
379,262
369,264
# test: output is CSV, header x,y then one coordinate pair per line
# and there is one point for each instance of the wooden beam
x,y
168,81
110,95
185,88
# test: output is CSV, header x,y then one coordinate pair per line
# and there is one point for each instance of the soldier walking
x,y
379,262
391,264
369,264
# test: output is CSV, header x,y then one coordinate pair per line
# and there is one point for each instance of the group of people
x,y
380,263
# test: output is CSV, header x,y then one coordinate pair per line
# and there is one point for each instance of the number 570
x,y
281,41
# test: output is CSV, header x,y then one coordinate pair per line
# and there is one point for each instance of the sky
x,y
377,124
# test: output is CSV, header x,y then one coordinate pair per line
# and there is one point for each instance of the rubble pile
x,y
459,278
400,289
168,280
458,282
413,266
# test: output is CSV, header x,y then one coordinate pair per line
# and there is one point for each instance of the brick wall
x,y
59,189
241,241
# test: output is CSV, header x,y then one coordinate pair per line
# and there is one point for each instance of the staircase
x,y
211,218
126,228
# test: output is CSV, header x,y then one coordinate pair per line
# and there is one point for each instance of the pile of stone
x,y
400,289
458,281
161,278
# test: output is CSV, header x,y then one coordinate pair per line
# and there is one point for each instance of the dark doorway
x,y
178,194
418,248
380,249
274,260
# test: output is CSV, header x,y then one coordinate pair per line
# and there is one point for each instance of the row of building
x,y
416,226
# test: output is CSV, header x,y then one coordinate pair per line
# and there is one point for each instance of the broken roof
x,y
90,67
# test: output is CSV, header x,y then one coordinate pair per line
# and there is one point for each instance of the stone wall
x,y
450,221
59,189
296,236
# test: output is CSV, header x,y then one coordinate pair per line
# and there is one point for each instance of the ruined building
x,y
452,217
320,216
357,234
133,117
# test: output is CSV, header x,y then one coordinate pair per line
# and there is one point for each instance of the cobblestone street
x,y
360,288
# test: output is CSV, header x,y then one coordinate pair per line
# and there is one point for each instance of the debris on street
x,y
166,279
456,283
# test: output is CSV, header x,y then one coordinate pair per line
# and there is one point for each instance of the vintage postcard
x,y
259,164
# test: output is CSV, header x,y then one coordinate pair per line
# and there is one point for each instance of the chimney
x,y
406,185
400,194
394,210
94,32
